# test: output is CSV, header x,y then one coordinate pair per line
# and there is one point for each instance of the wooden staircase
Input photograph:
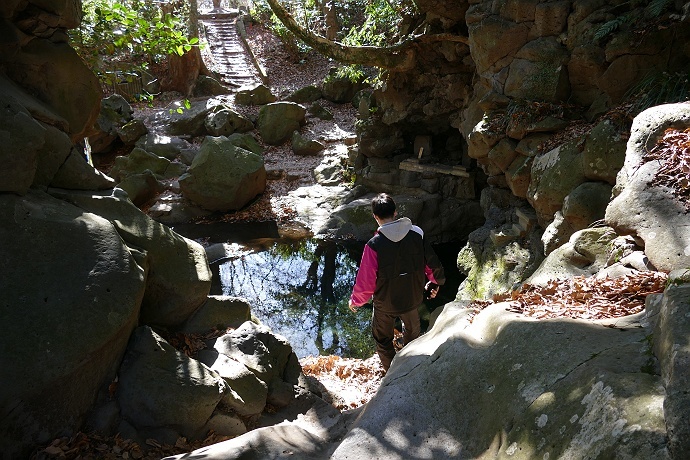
x,y
229,58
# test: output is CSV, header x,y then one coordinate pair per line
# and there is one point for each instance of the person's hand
x,y
431,289
354,308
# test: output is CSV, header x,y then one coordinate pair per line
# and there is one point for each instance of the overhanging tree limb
x,y
397,57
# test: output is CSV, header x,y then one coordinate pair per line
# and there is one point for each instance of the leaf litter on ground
x,y
582,297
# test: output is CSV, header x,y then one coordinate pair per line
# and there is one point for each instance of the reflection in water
x,y
300,290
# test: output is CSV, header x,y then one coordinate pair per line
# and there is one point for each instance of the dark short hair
x,y
383,206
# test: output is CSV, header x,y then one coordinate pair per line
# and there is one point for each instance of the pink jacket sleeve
x,y
429,274
365,283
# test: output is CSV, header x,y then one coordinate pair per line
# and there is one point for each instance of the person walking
x,y
398,266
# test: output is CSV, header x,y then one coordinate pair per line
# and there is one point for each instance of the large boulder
x,y
225,121
72,293
648,211
189,120
583,255
247,394
160,386
132,131
141,187
76,174
209,86
309,93
340,89
247,142
22,138
57,76
304,146
584,206
554,175
254,95
218,312
277,121
114,114
163,146
268,356
223,176
179,278
138,161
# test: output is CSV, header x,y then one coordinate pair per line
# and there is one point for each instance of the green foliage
x,y
362,22
128,35
381,21
609,27
186,105
652,11
354,73
658,88
656,8
262,13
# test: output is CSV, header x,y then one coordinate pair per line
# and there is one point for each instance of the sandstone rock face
x,y
56,75
162,387
604,152
66,315
23,137
179,278
223,177
647,211
218,312
76,174
553,176
538,383
673,352
584,255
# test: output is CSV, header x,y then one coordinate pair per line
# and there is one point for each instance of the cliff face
x,y
535,99
585,53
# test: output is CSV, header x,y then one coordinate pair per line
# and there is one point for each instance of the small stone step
x,y
526,218
503,237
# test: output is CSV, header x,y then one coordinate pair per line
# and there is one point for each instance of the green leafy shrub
x,y
119,37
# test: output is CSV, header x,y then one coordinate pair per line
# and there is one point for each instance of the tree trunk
x,y
194,33
332,25
182,72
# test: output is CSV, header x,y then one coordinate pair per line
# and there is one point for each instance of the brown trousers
x,y
382,325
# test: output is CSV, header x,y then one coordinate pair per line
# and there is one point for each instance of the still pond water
x,y
300,289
